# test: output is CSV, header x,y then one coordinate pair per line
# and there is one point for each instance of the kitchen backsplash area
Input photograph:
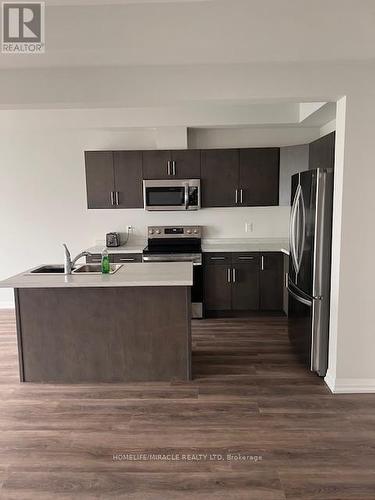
x,y
241,222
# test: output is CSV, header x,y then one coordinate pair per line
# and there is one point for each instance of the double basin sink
x,y
83,269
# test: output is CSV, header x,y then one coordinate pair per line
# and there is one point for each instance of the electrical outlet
x,y
249,227
130,229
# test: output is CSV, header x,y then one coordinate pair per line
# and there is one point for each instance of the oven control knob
x,y
188,231
158,231
151,231
195,231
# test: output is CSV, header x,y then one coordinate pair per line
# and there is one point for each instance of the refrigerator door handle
x,y
295,291
292,229
304,301
302,233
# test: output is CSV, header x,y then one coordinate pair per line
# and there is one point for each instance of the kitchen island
x,y
133,325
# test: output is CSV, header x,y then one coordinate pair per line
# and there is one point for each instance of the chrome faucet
x,y
68,262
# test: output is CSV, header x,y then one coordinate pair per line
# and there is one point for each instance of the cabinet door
x,y
217,287
322,152
99,179
259,176
155,164
271,281
245,287
128,178
186,164
219,177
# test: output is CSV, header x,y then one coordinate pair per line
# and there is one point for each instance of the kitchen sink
x,y
51,269
95,269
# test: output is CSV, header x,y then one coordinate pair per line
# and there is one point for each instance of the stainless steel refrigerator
x,y
310,237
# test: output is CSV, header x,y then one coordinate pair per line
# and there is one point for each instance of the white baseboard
x,y
7,305
350,385
330,380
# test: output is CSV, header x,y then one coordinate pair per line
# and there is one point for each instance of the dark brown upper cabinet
x,y
259,176
322,152
100,179
128,179
186,163
175,164
114,179
220,177
229,177
156,164
271,280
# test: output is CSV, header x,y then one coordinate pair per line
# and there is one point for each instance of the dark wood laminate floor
x,y
249,397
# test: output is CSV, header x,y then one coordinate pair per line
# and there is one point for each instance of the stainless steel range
x,y
179,244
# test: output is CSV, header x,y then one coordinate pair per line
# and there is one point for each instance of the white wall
x,y
293,159
242,137
43,198
352,366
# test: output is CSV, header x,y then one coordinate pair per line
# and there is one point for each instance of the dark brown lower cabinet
x,y
245,285
271,281
217,287
251,281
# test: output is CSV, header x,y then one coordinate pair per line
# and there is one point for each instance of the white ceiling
x,y
130,32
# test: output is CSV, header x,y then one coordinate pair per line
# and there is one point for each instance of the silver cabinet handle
x,y
117,198
168,167
241,196
173,167
234,274
112,198
286,279
236,197
127,260
245,258
262,264
228,275
217,258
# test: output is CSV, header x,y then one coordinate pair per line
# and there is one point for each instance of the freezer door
x,y
300,325
308,328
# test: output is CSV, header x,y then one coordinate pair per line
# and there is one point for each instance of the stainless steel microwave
x,y
176,194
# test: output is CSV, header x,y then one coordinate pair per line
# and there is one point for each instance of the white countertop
x,y
134,274
130,248
211,245
245,245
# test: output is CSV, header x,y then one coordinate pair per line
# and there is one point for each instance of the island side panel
x,y
19,336
119,334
